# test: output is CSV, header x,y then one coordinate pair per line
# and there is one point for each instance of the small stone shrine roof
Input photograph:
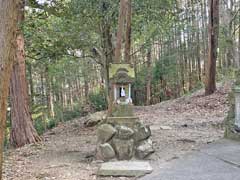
x,y
121,73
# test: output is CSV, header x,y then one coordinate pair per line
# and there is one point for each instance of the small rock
x,y
144,149
184,125
107,151
165,128
186,140
105,132
124,132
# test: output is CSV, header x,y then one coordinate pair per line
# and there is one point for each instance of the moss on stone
x,y
115,67
122,110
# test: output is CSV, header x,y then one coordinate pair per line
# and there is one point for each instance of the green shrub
x,y
98,100
39,126
71,114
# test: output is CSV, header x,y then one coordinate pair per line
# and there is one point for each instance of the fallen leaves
x,y
178,126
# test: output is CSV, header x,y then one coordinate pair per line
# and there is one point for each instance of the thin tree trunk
x,y
149,77
8,24
213,30
86,90
49,93
31,85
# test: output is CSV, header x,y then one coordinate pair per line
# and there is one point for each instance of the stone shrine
x,y
232,121
122,136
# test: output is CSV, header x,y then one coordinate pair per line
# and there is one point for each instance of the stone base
x,y
231,133
123,133
230,129
123,121
125,168
122,110
123,141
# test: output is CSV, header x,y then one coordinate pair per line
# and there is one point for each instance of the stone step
x,y
125,169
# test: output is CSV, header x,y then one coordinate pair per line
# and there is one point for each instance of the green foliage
x,y
98,100
165,68
71,114
42,122
39,126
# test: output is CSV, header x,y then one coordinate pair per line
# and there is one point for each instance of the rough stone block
x,y
94,119
122,110
123,121
107,152
123,148
105,132
141,132
124,132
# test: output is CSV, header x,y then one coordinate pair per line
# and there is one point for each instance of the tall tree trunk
x,y
22,130
49,93
128,33
108,55
86,90
239,40
121,18
8,24
149,76
213,30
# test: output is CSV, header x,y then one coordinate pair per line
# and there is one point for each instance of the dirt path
x,y
178,126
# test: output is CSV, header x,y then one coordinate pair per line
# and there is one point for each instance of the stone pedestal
x,y
126,135
232,121
236,91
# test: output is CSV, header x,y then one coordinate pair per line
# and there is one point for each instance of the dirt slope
x,y
178,126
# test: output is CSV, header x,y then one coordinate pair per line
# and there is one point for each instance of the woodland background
x,y
65,48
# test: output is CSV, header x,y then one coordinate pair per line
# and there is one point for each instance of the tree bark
x,y
49,93
121,18
22,129
8,24
213,30
128,33
31,84
149,76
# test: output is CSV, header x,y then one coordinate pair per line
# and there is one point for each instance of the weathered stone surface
x,y
105,132
125,168
123,148
95,118
230,131
144,149
123,121
107,152
124,132
232,121
122,110
141,132
237,105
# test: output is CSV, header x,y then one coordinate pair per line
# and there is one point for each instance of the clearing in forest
x,y
178,126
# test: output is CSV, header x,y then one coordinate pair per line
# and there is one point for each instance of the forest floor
x,y
178,126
